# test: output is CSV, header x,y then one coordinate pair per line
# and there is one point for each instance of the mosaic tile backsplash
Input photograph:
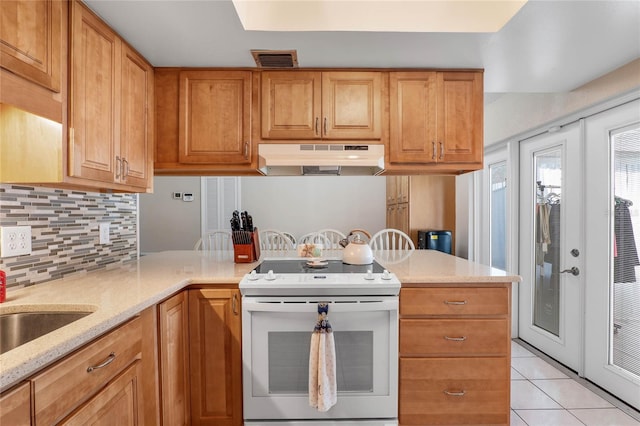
x,y
65,231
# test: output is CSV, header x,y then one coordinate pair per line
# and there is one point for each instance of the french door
x,y
551,244
612,341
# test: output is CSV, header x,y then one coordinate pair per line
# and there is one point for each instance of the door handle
x,y
573,271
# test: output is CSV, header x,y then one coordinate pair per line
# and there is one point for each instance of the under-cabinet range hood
x,y
320,159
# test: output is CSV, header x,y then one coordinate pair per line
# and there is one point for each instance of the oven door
x,y
276,336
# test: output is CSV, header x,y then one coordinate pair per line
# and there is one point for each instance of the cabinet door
x,y
412,119
30,36
116,404
16,406
460,106
215,357
403,189
135,153
291,105
392,216
392,191
174,360
402,219
95,82
352,105
214,122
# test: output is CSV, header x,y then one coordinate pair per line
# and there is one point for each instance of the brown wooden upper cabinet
x,y
436,117
333,105
110,119
30,34
215,117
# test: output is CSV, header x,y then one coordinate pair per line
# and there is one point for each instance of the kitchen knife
x,y
250,222
245,226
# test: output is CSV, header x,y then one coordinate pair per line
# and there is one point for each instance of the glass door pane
x,y
546,304
498,214
625,285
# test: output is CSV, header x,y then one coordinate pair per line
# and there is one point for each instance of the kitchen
x,y
123,228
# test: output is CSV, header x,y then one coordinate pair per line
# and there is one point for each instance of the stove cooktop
x,y
306,266
301,277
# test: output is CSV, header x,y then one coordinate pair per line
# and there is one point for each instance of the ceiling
x,y
548,46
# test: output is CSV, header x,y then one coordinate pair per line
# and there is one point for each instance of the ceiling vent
x,y
285,59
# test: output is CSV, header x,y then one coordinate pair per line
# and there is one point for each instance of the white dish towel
x,y
322,363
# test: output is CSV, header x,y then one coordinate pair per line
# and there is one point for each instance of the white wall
x,y
306,204
168,224
294,204
514,113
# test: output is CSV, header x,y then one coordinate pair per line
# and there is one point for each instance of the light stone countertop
x,y
119,292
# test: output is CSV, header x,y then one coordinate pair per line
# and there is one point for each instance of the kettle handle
x,y
360,230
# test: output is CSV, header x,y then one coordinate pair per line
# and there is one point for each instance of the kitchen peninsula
x,y
481,299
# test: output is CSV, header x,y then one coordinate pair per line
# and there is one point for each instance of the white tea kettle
x,y
356,250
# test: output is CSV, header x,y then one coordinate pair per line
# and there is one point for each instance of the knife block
x,y
247,253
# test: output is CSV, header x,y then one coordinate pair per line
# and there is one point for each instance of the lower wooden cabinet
x,y
455,354
215,357
453,391
118,403
174,360
16,406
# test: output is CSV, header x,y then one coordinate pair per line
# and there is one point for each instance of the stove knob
x,y
253,276
270,275
369,275
386,275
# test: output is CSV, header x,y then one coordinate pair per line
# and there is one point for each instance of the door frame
x,y
597,367
567,346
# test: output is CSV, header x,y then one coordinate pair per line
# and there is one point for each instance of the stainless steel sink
x,y
18,328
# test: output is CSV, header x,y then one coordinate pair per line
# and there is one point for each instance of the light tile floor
x,y
545,395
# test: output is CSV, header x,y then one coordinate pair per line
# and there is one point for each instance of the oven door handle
x,y
249,305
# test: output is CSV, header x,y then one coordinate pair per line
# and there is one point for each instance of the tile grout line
x,y
620,405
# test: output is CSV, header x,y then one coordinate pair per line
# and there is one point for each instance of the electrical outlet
x,y
15,240
104,233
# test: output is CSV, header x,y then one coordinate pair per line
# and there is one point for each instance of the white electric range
x,y
279,312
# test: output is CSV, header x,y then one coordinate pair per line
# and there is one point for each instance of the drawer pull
x,y
456,339
106,362
454,393
455,302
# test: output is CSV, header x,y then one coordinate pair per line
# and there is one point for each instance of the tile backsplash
x,y
65,235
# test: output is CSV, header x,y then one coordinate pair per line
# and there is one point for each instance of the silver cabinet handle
x,y
456,339
435,153
246,150
441,151
455,302
455,393
125,167
234,304
109,360
118,166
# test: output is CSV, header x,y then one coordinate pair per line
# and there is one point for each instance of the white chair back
x,y
272,239
334,236
218,239
391,239
315,238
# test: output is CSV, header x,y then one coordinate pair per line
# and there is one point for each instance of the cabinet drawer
x,y
16,406
450,391
62,387
454,301
454,337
